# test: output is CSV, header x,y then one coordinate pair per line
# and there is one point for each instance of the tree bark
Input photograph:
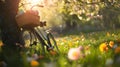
x,y
10,31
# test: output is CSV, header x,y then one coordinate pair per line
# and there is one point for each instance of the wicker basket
x,y
27,19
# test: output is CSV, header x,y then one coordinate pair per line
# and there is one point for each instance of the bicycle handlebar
x,y
37,6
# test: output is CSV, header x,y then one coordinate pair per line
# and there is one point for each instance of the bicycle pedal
x,y
50,48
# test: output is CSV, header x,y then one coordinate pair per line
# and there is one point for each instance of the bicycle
x,y
45,38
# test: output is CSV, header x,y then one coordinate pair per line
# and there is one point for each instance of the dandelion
x,y
34,63
74,54
111,44
113,34
117,50
70,44
103,47
108,34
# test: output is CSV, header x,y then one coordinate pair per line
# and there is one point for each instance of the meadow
x,y
80,49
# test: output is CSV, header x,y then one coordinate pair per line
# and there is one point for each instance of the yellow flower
x,y
34,63
113,34
103,47
70,44
108,34
1,43
117,50
111,44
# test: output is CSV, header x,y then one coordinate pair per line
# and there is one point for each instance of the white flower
x,y
74,54
29,59
35,56
115,46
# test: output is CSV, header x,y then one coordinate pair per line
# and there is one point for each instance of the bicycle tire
x,y
53,44
49,38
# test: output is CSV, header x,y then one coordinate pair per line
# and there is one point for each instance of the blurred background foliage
x,y
80,15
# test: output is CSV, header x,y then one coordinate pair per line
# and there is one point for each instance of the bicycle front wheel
x,y
52,42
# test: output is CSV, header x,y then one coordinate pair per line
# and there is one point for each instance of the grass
x,y
93,57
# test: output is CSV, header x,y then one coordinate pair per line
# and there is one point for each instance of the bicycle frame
x,y
43,38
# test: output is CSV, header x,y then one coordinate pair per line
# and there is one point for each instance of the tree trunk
x,y
10,31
